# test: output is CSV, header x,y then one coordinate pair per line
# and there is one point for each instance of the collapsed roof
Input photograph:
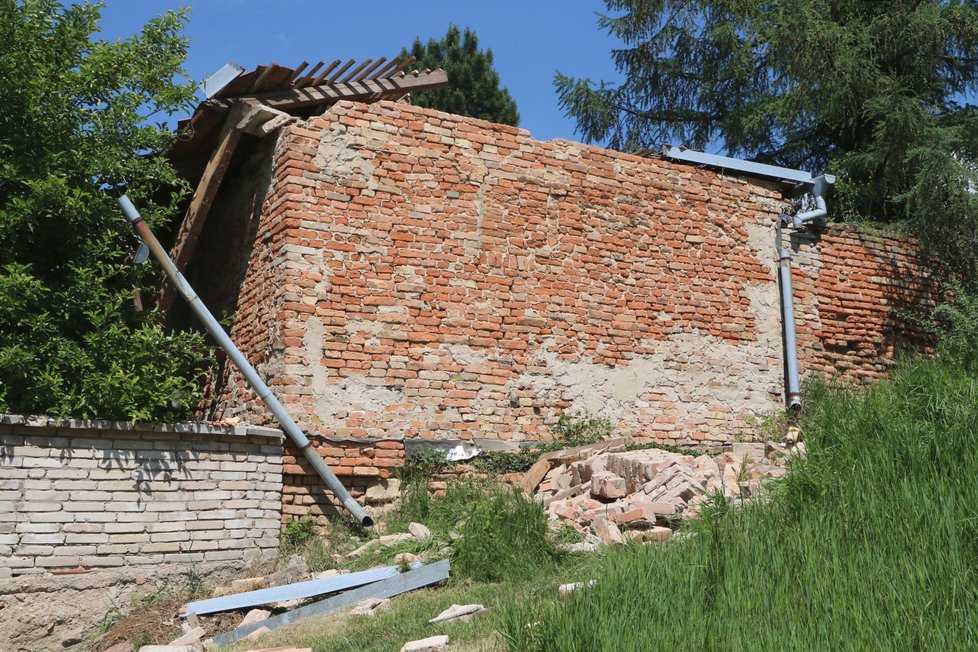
x,y
258,103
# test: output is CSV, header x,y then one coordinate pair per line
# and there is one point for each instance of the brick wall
x,y
419,276
854,290
366,468
101,495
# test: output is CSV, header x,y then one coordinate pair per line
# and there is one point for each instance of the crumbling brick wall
x,y
855,291
419,276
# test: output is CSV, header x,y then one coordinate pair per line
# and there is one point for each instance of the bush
x,y
956,327
75,109
423,463
297,531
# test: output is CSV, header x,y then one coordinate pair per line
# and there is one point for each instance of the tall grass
x,y
504,537
494,533
871,543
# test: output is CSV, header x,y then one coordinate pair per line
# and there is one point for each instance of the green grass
x,y
409,614
504,536
502,553
869,544
489,532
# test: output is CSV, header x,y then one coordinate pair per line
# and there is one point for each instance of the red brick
x,y
578,255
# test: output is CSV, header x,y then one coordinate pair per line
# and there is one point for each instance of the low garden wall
x,y
94,512
97,494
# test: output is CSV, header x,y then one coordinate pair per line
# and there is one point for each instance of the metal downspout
x,y
806,183
224,341
788,321
819,187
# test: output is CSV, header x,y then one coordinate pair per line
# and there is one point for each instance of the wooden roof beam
x,y
301,97
205,193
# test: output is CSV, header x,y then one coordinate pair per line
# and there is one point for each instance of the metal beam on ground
x,y
409,581
296,591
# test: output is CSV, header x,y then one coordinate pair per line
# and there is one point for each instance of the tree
x,y
75,112
872,91
473,84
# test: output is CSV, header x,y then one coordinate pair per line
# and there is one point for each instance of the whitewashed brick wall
x,y
98,494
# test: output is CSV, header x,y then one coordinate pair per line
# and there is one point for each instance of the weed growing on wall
x,y
297,531
570,430
423,463
581,428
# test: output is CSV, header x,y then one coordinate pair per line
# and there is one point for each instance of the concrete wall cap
x,y
106,426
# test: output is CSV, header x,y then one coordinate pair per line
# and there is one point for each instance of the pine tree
x,y
473,84
876,92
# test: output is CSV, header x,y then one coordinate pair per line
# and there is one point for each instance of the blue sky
x,y
529,39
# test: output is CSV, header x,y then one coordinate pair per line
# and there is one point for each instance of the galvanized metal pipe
x,y
818,189
239,360
788,321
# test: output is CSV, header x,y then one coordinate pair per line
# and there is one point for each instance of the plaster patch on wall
x,y
700,375
360,326
332,400
339,155
761,238
692,381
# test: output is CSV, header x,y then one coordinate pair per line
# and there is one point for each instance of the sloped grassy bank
x,y
869,543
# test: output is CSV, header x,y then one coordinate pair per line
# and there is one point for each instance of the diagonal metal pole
x,y
239,360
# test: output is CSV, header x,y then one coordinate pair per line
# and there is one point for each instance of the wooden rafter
x,y
204,195
322,75
312,95
371,70
259,103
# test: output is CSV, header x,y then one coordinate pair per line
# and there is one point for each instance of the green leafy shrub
x,y
423,463
74,110
503,462
956,327
297,531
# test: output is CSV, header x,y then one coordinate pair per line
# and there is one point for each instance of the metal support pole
x,y
224,341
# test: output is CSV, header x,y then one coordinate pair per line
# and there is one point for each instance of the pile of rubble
x,y
612,495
